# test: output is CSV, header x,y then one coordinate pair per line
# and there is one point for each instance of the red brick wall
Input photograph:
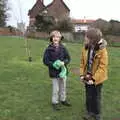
x,y
7,32
37,35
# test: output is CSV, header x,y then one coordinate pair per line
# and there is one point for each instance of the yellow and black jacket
x,y
100,63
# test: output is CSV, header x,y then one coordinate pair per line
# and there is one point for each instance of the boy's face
x,y
56,39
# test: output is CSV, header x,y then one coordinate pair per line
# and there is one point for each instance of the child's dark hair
x,y
94,34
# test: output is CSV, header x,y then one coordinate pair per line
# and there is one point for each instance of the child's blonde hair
x,y
55,33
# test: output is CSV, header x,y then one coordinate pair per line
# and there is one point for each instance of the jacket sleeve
x,y
46,59
82,64
66,56
101,73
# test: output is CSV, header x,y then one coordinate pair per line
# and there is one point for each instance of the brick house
x,y
57,9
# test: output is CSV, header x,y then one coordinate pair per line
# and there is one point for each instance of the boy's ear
x,y
62,38
51,39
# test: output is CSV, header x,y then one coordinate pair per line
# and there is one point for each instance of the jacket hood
x,y
102,44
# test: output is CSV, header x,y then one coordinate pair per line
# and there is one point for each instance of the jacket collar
x,y
51,46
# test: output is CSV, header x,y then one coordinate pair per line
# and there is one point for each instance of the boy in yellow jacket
x,y
93,71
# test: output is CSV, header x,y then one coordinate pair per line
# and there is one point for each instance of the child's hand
x,y
62,63
90,82
82,78
88,77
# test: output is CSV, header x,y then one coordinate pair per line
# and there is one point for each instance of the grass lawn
x,y
25,88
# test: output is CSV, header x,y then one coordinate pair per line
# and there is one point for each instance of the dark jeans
x,y
93,98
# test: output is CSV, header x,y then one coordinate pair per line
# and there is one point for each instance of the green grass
x,y
25,88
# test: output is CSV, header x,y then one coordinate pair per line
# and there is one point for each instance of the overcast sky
x,y
90,9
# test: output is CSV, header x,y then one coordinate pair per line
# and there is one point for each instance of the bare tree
x,y
3,12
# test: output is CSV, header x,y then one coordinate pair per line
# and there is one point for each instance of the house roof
x,y
38,6
61,1
65,5
82,21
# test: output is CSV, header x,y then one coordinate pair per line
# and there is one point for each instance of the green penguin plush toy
x,y
57,65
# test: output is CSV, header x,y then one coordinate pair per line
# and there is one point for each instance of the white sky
x,y
90,9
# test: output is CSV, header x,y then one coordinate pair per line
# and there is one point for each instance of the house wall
x,y
81,27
